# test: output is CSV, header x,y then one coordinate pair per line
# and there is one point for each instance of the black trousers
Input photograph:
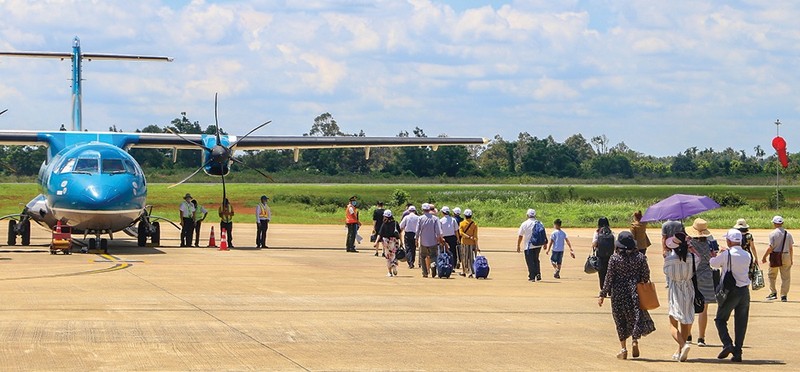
x,y
602,270
186,232
228,226
452,242
410,239
738,302
197,233
352,230
532,259
261,233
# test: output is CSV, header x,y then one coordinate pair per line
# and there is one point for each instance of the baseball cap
x,y
412,208
457,210
426,207
735,235
187,196
445,209
387,213
264,197
777,220
468,212
531,213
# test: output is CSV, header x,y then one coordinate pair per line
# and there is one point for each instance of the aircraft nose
x,y
105,197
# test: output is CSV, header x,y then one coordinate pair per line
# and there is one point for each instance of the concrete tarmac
x,y
304,304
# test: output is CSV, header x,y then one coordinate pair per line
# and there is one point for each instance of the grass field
x,y
493,205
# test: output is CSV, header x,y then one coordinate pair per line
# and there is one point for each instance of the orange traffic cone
x,y
58,227
212,242
223,240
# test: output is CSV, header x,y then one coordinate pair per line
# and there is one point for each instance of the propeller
x,y
220,155
3,112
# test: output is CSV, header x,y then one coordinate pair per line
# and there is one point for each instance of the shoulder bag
x,y
699,299
776,258
648,298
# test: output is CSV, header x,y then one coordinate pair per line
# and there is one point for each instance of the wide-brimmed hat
x,y
189,196
625,241
741,224
699,229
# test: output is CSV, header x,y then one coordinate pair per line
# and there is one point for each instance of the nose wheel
x,y
93,245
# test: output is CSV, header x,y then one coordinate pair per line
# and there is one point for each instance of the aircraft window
x,y
113,166
67,167
86,166
129,167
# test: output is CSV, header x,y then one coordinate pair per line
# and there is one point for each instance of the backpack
x,y
605,242
443,266
481,267
539,236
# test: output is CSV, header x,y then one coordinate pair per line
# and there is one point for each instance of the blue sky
x,y
659,76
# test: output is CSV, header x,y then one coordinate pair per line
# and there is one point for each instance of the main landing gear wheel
x,y
141,236
92,244
156,237
26,232
12,235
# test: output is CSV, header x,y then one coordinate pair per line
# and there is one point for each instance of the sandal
x,y
635,349
623,354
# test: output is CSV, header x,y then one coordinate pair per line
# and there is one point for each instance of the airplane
x,y
90,182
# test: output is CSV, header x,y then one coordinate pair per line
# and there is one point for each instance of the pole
x,y
777,168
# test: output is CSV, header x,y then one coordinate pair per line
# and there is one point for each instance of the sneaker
x,y
539,277
736,359
701,342
772,296
462,274
684,353
471,276
394,270
783,299
557,275
376,254
389,275
689,340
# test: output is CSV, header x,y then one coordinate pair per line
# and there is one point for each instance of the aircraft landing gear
x,y
104,245
21,228
91,246
148,230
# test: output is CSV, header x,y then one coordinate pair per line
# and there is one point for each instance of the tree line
x,y
575,157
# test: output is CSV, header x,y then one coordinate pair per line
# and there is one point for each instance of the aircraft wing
x,y
158,140
88,56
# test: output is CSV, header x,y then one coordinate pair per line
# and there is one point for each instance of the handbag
x,y
726,285
776,258
648,298
699,300
592,264
757,281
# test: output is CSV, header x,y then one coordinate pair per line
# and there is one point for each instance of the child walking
x,y
557,240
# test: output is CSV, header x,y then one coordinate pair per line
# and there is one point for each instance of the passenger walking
x,y
748,243
737,261
627,267
450,234
377,220
639,231
701,243
531,229
429,238
409,227
389,237
186,211
557,240
780,240
604,246
457,254
679,272
200,213
226,220
263,216
468,230
352,223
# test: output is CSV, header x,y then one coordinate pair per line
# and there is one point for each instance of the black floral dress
x,y
624,271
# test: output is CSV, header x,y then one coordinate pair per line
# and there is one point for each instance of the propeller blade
x,y
224,194
249,133
216,121
3,112
237,161
188,140
191,175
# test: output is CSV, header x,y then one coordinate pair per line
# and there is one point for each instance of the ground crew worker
x,y
226,220
263,215
200,214
187,220
352,223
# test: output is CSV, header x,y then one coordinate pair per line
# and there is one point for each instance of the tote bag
x,y
648,298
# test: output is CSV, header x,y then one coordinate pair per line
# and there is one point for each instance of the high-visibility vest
x,y
263,213
350,217
223,217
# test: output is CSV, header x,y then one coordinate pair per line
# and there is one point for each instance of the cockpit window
x,y
112,166
86,166
67,167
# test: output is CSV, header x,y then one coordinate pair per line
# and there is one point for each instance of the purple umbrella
x,y
678,207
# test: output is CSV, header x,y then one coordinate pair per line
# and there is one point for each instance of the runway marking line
x,y
119,264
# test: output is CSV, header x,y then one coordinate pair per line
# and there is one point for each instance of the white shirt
x,y
187,210
409,223
449,225
526,230
740,264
